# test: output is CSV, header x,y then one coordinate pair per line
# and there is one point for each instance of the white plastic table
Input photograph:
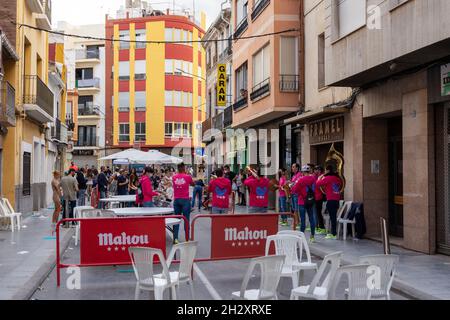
x,y
77,210
119,199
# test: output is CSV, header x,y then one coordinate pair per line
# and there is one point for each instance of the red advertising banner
x,y
235,236
106,241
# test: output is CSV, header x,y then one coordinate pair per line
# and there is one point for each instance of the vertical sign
x,y
221,85
445,79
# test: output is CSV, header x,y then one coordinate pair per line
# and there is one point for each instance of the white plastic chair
x,y
271,267
318,289
143,262
358,284
388,265
286,245
7,211
302,244
344,221
187,251
86,213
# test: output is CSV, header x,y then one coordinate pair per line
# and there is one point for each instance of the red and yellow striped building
x,y
155,92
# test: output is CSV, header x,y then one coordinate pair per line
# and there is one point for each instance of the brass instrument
x,y
252,172
336,158
287,189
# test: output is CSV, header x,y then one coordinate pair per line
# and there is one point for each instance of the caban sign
x,y
106,241
328,130
221,85
234,236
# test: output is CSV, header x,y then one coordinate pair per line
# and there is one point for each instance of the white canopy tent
x,y
136,156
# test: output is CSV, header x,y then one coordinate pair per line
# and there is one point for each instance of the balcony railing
x,y
83,54
206,125
7,104
37,93
88,83
239,104
289,83
228,117
88,110
69,123
56,130
242,26
218,121
89,141
259,7
47,4
260,90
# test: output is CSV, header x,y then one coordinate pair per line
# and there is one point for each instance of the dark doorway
x,y
395,156
323,149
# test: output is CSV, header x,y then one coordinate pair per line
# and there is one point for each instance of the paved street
x,y
213,280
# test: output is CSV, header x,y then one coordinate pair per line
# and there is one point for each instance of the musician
x,y
320,198
331,183
258,191
282,197
304,188
221,190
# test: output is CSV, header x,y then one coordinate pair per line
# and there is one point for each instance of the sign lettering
x,y
222,85
326,131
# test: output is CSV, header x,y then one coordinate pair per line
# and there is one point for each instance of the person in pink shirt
x,y
282,198
221,190
304,188
146,189
258,192
320,198
181,204
331,183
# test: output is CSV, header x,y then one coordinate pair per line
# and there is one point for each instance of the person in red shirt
x,y
331,183
258,192
304,188
181,204
147,189
73,166
282,198
221,190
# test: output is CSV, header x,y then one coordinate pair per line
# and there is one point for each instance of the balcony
x,y
87,57
44,18
56,130
87,142
37,100
261,90
88,86
289,83
88,110
69,122
241,103
228,117
206,126
218,122
7,104
259,7
35,6
242,26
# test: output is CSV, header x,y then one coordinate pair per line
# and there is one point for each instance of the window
x,y
124,70
177,98
177,130
124,35
124,101
178,67
241,81
87,136
168,129
168,34
169,66
140,131
140,68
351,15
321,61
176,35
261,66
241,10
140,36
288,56
26,191
168,98
84,74
140,101
124,132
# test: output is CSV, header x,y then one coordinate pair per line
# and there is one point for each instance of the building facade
x,y
155,92
265,74
24,183
393,123
86,85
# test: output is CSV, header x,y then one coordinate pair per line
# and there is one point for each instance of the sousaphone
x,y
336,159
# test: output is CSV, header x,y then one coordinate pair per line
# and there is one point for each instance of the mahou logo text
x,y
108,239
232,234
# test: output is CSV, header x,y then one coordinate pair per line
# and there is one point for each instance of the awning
x,y
317,114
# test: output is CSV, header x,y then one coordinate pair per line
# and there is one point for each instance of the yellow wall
x,y
155,85
132,90
116,87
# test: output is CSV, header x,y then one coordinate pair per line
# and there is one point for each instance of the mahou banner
x,y
234,236
106,241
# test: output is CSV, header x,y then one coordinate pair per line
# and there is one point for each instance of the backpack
x,y
310,197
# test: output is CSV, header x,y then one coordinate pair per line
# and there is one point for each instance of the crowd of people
x,y
302,193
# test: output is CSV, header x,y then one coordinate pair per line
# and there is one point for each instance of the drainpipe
x,y
301,54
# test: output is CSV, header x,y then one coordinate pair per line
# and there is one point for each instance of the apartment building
x,y
396,54
155,92
86,98
265,73
219,111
